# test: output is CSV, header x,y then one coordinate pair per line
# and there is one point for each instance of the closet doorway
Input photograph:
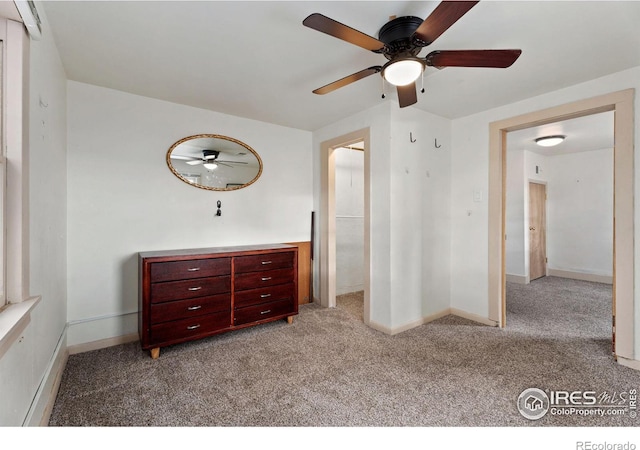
x,y
349,181
337,218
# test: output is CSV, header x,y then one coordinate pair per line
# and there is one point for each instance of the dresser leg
x,y
290,319
155,353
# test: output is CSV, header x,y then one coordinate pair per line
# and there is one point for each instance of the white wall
x,y
420,214
349,181
515,255
25,367
580,213
470,161
409,209
123,199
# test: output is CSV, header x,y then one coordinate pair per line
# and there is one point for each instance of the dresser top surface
x,y
215,250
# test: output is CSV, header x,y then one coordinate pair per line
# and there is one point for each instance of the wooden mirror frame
x,y
213,136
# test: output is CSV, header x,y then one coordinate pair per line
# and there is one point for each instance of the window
x,y
3,258
3,184
15,303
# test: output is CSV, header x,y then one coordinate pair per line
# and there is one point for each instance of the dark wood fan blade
x,y
407,95
336,29
347,80
439,21
473,58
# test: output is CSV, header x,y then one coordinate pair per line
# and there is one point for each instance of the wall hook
x,y
411,139
436,143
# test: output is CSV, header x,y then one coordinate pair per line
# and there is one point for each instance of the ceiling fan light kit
x,y
403,71
549,141
401,40
209,160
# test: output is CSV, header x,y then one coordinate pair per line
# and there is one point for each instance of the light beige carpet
x,y
329,369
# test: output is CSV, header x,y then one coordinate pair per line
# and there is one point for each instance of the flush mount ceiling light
x,y
404,71
549,141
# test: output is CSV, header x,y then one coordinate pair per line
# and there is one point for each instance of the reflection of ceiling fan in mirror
x,y
400,41
209,160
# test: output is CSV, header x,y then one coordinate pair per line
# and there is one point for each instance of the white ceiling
x,y
257,60
593,132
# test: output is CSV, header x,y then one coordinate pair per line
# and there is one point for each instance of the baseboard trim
x,y
473,317
102,343
580,276
44,400
518,279
431,318
379,327
631,363
439,315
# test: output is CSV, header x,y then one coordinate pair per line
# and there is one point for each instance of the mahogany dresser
x,y
194,293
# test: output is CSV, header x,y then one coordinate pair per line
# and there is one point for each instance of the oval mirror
x,y
214,162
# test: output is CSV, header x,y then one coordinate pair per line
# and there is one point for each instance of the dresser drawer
x,y
196,268
264,295
256,263
193,307
186,328
254,280
198,287
262,312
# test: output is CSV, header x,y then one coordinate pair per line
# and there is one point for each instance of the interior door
x,y
537,231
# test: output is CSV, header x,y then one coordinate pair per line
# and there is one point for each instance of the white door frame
x,y
328,218
621,103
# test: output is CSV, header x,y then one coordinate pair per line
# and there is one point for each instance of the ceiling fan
x,y
401,39
209,160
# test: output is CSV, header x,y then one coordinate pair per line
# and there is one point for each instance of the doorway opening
x,y
559,230
329,215
349,180
621,103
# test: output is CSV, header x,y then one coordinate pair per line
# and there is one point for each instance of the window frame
x,y
15,310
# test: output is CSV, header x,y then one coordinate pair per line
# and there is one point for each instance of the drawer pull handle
x,y
264,263
193,269
194,308
266,312
193,327
266,278
265,295
195,288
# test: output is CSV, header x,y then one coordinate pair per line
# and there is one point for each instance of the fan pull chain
x,y
383,95
422,90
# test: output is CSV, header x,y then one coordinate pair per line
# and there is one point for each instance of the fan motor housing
x,y
210,154
396,35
